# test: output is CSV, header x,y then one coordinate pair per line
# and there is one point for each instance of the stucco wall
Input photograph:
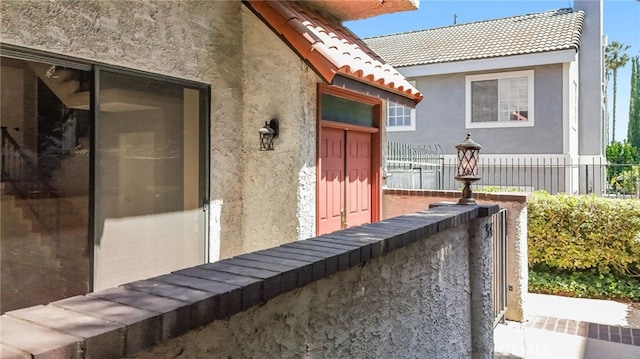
x,y
253,77
279,186
401,202
411,303
441,116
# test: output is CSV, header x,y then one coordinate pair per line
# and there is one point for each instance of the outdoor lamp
x,y
267,134
468,156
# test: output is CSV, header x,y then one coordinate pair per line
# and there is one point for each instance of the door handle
x,y
343,219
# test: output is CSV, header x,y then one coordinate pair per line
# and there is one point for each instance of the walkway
x,y
571,328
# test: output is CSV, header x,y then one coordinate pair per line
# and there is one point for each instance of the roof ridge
x,y
567,10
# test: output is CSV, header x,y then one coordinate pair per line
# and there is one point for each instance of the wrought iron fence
x,y
499,258
405,168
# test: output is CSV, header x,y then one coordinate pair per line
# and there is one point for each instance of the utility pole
x,y
455,18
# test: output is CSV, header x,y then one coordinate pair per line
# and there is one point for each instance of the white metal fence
x,y
410,166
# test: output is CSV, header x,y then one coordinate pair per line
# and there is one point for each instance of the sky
x,y
621,22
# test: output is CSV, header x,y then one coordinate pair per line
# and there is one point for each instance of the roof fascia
x,y
494,63
370,90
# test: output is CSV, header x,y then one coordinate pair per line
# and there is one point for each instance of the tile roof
x,y
329,48
526,34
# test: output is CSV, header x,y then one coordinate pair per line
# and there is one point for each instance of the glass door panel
x,y
44,244
149,182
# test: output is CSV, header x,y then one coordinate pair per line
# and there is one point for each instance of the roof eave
x,y
361,9
285,19
490,64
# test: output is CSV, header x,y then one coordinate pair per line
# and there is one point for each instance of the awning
x,y
337,55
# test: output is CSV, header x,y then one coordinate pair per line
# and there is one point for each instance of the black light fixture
x,y
267,134
468,156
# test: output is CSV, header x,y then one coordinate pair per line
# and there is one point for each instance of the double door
x,y
345,186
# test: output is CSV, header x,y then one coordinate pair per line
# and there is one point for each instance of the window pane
x,y
398,115
339,109
407,119
484,101
45,194
149,185
513,99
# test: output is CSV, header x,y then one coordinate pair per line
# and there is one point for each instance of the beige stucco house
x,y
131,140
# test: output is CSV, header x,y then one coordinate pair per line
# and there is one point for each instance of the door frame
x,y
376,142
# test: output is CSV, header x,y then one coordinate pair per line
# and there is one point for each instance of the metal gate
x,y
499,280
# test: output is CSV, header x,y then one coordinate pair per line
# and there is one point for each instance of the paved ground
x,y
568,328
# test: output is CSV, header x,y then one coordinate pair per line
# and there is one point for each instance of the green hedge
x,y
584,232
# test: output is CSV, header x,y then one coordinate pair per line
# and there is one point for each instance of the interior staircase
x,y
27,255
38,266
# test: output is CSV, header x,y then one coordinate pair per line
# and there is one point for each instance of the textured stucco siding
x,y
441,116
278,86
411,303
253,77
517,251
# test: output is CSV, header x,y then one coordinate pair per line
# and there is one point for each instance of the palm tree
x,y
614,58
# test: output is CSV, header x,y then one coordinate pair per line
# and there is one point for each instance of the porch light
x,y
468,156
267,134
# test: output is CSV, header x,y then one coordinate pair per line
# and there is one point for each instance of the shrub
x,y
588,284
625,182
623,154
582,232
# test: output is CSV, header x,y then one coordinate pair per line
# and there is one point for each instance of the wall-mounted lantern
x,y
468,156
267,134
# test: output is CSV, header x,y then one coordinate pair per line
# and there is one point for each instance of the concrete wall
x,y
441,116
401,202
253,77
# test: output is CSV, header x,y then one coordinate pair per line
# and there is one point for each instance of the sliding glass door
x,y
150,177
103,176
45,181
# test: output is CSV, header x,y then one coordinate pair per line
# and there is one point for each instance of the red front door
x,y
358,181
344,190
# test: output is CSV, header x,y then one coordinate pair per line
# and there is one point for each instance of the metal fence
x,y
499,258
413,166
425,167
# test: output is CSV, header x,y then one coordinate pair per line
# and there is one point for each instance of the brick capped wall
x,y
397,202
415,286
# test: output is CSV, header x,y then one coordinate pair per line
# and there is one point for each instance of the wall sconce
x,y
267,134
468,156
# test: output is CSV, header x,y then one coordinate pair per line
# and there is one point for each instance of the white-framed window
x,y
500,100
400,117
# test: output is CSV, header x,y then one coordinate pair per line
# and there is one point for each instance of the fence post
x,y
586,184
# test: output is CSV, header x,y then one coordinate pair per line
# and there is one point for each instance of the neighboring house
x,y
528,88
130,140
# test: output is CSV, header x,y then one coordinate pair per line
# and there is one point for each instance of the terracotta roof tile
x,y
329,48
526,34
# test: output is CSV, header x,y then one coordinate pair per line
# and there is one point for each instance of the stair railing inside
x,y
19,170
